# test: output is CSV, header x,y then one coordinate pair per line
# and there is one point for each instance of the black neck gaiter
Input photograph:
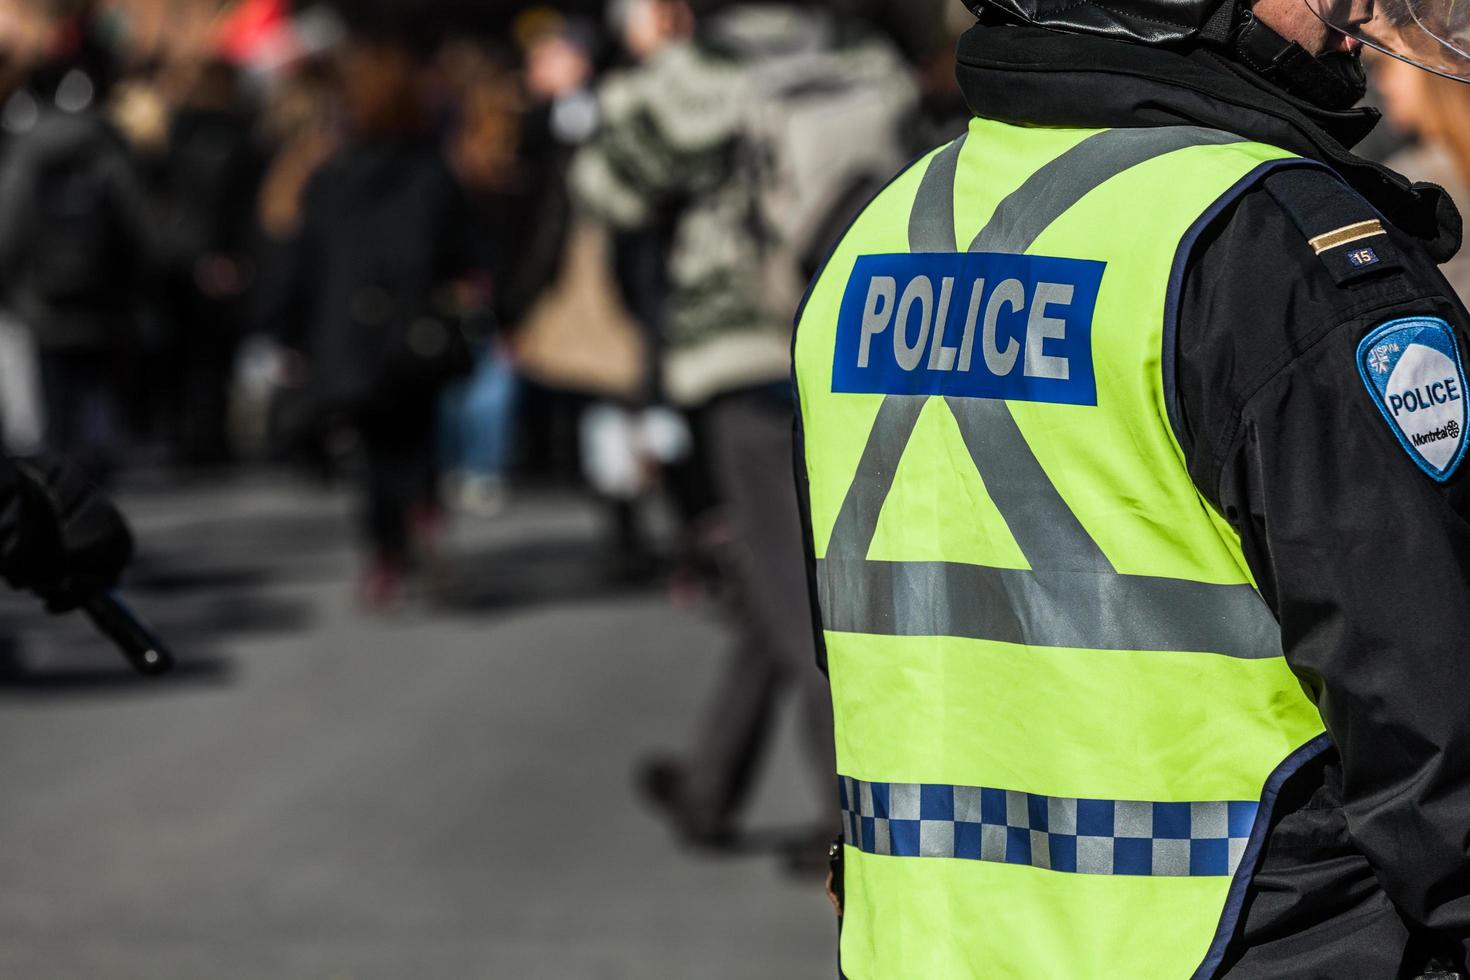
x,y
1334,81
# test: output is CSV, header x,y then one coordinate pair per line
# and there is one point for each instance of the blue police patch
x,y
1413,370
969,325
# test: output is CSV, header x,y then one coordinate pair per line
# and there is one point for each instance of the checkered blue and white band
x,y
1100,837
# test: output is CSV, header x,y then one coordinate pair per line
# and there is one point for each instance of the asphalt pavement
x,y
319,795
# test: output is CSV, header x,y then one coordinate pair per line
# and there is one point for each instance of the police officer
x,y
1133,429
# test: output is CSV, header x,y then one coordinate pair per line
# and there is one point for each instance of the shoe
x,y
663,783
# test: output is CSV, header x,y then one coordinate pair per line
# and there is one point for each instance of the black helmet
x,y
1431,34
1144,21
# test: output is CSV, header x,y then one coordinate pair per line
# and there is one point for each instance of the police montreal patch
x,y
1413,370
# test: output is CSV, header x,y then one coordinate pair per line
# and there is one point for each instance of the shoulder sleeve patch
x,y
1414,373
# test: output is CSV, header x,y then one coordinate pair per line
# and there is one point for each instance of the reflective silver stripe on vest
x,y
931,228
1051,608
1097,837
1054,189
1073,597
857,521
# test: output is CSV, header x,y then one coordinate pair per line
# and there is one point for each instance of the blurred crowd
x,y
437,251
347,236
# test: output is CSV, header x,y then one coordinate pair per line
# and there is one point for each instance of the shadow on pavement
x,y
228,615
240,553
532,574
20,679
195,611
171,579
22,682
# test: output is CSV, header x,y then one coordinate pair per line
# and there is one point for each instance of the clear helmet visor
x,y
1432,34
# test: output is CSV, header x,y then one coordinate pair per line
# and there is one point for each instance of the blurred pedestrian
x,y
367,297
700,131
641,264
560,114
561,55
74,241
212,173
300,126
21,420
479,416
301,130
1436,112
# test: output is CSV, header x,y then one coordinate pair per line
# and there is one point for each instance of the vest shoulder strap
x,y
1347,234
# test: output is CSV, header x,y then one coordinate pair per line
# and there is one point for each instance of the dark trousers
x,y
208,340
400,479
78,393
750,441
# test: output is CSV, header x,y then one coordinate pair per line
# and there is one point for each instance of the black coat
x,y
212,180
75,239
383,241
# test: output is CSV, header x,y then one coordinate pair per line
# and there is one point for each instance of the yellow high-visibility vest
x,y
1062,706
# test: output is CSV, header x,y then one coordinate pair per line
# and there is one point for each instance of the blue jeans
x,y
477,420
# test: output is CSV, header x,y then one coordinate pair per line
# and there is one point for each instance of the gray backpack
x,y
822,135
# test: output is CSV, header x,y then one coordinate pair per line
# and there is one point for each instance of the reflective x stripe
x,y
1045,608
1099,837
931,228
1073,597
1055,188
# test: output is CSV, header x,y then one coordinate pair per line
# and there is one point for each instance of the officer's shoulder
x,y
1296,267
1301,240
1357,248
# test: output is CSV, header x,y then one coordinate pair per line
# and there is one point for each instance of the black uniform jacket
x,y
1364,558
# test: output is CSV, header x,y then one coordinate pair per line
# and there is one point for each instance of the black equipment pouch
x,y
835,856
